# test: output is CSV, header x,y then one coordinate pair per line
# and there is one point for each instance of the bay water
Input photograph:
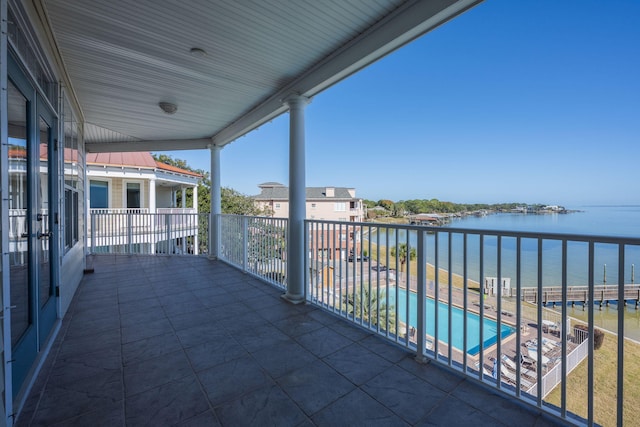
x,y
616,221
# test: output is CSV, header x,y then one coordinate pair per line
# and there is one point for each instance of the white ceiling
x,y
124,57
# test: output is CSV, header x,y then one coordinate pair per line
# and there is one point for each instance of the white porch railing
x,y
145,233
256,245
397,283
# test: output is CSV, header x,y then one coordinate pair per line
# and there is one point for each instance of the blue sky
x,y
534,101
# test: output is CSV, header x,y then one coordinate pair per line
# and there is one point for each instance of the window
x,y
277,205
340,207
313,205
133,195
73,179
99,194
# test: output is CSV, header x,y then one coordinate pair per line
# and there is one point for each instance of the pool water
x,y
490,331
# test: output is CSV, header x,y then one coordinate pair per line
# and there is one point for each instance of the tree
x,y
371,307
403,254
232,201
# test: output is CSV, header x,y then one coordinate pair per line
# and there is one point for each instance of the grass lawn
x,y
604,384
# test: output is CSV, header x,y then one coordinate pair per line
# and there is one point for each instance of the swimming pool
x,y
457,319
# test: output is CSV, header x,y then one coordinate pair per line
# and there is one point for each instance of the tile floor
x,y
161,341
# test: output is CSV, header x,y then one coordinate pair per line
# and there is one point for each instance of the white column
x,y
195,209
184,198
296,251
216,205
152,196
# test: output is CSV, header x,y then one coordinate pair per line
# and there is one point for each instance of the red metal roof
x,y
139,159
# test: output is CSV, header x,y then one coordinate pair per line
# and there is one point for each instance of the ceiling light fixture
x,y
168,107
196,51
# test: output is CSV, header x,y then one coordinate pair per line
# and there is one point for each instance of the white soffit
x,y
124,57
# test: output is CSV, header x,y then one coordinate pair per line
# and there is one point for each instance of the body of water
x,y
618,221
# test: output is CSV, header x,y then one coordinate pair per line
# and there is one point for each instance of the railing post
x,y
129,233
422,295
167,226
93,233
245,242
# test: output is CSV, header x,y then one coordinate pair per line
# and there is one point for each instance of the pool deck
x,y
192,342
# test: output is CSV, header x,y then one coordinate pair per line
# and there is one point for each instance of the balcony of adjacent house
x,y
491,307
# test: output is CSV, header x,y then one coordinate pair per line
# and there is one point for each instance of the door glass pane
x,y
18,225
46,290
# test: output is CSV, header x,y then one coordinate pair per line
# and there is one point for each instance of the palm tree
x,y
371,307
403,254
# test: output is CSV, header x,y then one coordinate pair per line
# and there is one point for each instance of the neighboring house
x,y
325,203
141,190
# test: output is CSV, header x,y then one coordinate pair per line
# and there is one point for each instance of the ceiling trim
x,y
148,145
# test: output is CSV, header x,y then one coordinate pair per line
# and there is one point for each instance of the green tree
x,y
403,254
371,307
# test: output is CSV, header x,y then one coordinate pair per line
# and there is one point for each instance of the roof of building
x,y
277,191
139,159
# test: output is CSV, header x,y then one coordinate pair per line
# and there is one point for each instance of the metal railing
x,y
257,245
427,289
145,233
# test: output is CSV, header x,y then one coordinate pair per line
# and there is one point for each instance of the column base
x,y
293,299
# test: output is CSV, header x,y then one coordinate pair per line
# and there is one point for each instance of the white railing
x,y
256,245
175,210
395,281
145,233
554,377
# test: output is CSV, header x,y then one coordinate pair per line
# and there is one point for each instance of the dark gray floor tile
x,y
351,331
139,305
231,380
315,386
134,318
260,337
357,409
200,334
191,319
168,404
267,406
323,342
399,391
215,352
146,330
151,373
453,412
298,325
110,416
75,399
357,363
388,350
492,403
90,343
149,348
432,373
206,419
280,359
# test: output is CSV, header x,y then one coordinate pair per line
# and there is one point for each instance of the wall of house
x,y
163,197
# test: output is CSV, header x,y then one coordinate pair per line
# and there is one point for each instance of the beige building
x,y
323,203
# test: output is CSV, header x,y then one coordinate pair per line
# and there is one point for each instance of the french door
x,y
32,219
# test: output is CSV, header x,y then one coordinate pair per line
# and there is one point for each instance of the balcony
x,y
385,297
168,340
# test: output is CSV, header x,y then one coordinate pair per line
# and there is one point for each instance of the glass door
x,y
31,137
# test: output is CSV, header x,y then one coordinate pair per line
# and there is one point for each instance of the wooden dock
x,y
602,294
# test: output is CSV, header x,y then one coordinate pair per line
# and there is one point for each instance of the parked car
x,y
358,257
